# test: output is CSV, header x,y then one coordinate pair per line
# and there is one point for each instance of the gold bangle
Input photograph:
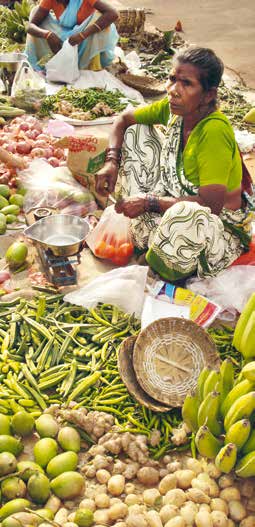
x,y
97,26
48,35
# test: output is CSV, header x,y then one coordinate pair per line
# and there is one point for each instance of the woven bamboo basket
x,y
126,370
148,86
130,21
168,357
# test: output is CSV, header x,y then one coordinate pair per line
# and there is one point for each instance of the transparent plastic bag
x,y
63,67
28,88
114,288
55,187
111,239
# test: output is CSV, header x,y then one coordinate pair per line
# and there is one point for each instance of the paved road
x,y
227,26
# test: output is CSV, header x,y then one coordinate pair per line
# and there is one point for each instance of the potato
x,y
102,501
197,496
102,516
70,524
194,465
247,488
218,504
102,475
203,519
175,497
150,496
100,461
178,521
188,512
148,476
53,504
87,503
219,519
227,480
173,466
167,512
212,470
167,483
132,499
204,507
61,516
117,511
135,520
237,511
153,519
129,488
230,494
116,484
249,521
184,478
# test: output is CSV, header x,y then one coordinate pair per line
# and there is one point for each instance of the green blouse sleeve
x,y
215,153
156,113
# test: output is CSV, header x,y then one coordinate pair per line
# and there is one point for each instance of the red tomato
x,y
100,249
109,251
119,260
125,250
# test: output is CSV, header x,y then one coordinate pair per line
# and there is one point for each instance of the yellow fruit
x,y
206,443
226,458
240,389
238,433
250,116
13,488
242,321
62,463
46,426
249,446
22,423
248,371
18,505
5,426
8,463
27,469
10,444
245,468
247,346
68,485
189,412
69,439
16,254
84,517
44,450
241,409
38,487
208,412
210,383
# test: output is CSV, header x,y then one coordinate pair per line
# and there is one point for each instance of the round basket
x,y
146,85
126,371
168,357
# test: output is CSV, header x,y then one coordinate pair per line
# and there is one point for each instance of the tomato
x,y
100,249
125,250
119,260
109,251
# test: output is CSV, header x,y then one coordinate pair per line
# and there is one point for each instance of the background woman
x,y
183,192
87,23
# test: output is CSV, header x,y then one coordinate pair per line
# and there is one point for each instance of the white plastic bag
x,y
123,287
63,67
28,88
230,289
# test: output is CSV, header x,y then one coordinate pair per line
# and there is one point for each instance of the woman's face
x,y
185,92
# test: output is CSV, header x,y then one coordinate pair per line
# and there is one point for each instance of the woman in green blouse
x,y
182,190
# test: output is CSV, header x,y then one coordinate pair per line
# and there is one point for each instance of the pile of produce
x,y
53,352
24,136
70,100
13,24
10,207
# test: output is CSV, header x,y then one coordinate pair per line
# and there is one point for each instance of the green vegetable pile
x,y
84,100
13,23
53,352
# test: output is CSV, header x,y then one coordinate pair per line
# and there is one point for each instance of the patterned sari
x,y
95,52
187,238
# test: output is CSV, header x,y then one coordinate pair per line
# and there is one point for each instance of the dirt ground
x,y
227,26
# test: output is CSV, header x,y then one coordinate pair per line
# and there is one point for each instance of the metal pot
x,y
9,65
63,234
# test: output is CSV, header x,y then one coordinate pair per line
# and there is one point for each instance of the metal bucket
x,y
9,65
63,234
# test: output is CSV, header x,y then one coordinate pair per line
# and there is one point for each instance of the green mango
x,y
3,202
17,505
10,209
8,463
5,424
4,191
10,444
62,463
28,468
68,485
38,487
69,439
44,450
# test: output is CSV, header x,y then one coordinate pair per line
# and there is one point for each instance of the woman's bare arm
x,y
35,30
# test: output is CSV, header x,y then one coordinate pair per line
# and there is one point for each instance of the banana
x,y
238,433
242,321
201,380
226,377
245,468
208,412
248,371
241,409
247,346
190,411
226,458
206,443
210,383
250,444
240,389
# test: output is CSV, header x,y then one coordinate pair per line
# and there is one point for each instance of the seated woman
x,y
87,23
183,192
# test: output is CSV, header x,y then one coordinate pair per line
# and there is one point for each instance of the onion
x,y
41,143
44,137
4,275
23,147
59,153
32,134
18,120
10,147
53,161
38,152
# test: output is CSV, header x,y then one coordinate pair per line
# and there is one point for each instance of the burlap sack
x,y
86,155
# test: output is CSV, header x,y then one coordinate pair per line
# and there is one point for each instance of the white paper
x,y
154,309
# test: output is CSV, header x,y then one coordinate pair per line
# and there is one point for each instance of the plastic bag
x,y
28,88
55,187
230,289
63,67
111,239
114,288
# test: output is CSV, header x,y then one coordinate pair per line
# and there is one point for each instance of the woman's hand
x,y
106,178
55,43
131,207
76,39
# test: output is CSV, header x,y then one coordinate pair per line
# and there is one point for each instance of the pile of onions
x,y
24,136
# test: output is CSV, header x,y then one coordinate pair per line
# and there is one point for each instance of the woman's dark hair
x,y
206,61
